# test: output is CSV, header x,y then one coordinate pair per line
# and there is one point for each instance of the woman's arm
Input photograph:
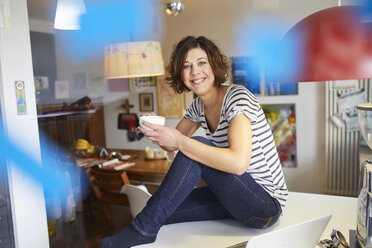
x,y
234,159
184,127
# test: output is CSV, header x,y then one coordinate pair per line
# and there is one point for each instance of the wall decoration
x,y
21,97
81,81
170,104
96,78
120,84
282,121
245,71
41,83
146,102
138,84
62,89
275,89
188,97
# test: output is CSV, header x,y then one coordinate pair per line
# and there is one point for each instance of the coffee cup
x,y
155,119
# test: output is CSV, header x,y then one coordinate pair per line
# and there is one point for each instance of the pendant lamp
x,y
68,14
133,59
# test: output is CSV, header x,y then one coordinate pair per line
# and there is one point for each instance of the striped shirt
x,y
265,165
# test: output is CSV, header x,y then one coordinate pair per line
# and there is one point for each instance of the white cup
x,y
155,119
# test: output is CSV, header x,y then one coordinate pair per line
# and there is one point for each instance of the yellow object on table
x,y
52,226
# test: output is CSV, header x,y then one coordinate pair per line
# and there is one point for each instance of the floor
x,y
90,225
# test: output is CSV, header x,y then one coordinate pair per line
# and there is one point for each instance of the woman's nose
x,y
195,70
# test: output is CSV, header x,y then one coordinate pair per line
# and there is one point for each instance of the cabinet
x,y
64,128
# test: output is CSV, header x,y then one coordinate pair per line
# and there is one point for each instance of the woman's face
x,y
197,73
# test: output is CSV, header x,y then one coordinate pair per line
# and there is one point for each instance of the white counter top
x,y
223,233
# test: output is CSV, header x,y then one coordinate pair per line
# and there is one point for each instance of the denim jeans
x,y
226,196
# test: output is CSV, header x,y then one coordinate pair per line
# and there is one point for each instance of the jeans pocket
x,y
261,222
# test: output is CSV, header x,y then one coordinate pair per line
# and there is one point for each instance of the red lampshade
x,y
335,44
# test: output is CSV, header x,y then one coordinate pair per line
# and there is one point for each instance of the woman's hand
x,y
166,137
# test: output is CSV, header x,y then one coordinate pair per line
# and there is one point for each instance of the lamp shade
x,y
335,44
68,14
133,59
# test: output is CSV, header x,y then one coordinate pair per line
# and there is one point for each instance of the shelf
x,y
56,114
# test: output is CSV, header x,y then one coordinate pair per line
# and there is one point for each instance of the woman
x,y
237,159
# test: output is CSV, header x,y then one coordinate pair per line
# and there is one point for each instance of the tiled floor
x,y
90,226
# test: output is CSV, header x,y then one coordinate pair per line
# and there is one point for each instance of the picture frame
x,y
146,102
81,80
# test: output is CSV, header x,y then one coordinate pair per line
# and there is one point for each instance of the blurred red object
x,y
335,44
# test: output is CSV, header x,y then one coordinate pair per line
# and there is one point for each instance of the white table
x,y
223,233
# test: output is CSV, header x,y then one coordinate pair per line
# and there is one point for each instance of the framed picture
x,y
139,84
276,89
245,71
170,104
81,80
146,102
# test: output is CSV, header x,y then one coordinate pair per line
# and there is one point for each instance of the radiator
x,y
342,147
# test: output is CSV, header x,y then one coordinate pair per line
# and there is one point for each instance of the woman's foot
x,y
126,238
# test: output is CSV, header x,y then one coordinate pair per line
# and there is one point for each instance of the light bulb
x,y
174,7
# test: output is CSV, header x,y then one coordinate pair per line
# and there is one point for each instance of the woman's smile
x,y
198,80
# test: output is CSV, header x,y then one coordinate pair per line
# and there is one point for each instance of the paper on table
x,y
123,166
112,161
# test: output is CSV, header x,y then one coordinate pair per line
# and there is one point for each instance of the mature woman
x,y
238,159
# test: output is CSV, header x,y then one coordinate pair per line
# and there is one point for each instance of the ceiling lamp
x,y
133,59
174,7
68,14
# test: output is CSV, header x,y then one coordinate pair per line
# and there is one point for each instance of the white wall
x,y
218,21
27,199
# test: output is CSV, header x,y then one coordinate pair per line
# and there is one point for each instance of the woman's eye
x,y
186,66
202,62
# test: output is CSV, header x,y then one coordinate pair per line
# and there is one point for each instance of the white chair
x,y
137,196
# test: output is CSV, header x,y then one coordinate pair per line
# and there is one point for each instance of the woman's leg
x,y
180,180
243,198
176,187
228,196
201,204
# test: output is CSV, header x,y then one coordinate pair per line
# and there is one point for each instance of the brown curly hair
x,y
217,60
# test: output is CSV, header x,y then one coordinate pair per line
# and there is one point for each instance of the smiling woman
x,y
237,160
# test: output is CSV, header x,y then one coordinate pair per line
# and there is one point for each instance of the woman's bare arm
x,y
234,159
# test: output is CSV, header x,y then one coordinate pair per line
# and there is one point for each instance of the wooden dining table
x,y
149,172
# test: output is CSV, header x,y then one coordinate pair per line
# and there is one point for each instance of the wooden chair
x,y
106,185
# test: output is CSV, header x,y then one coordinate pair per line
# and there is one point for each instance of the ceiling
x,y
42,9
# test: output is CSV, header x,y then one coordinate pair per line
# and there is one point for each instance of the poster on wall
x,y
96,78
81,80
41,83
62,89
170,104
21,97
276,89
141,83
245,71
282,121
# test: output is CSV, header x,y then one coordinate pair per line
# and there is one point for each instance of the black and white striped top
x,y
265,165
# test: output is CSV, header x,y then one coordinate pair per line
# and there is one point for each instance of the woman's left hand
x,y
164,136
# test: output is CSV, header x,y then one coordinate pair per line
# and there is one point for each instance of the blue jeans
x,y
226,196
